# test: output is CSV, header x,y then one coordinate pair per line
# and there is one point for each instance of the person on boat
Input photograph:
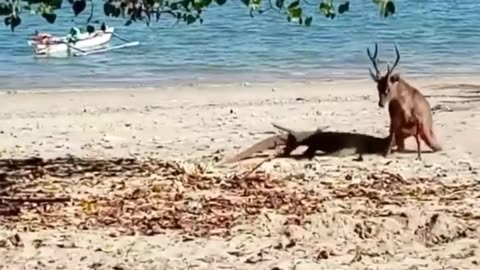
x,y
77,34
42,38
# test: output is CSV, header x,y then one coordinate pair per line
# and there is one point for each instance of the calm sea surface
x,y
434,36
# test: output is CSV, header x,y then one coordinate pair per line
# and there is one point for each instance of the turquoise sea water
x,y
435,37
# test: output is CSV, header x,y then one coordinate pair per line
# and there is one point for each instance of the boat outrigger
x,y
77,43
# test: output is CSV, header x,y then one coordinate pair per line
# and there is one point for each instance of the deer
x,y
409,110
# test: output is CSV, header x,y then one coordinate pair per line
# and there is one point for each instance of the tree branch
x,y
272,7
91,12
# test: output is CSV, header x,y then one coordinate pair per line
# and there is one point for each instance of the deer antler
x,y
389,70
373,58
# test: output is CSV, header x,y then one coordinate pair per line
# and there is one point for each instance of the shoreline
x,y
418,81
228,82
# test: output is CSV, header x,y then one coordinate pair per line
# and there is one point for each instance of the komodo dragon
x,y
270,143
330,142
334,143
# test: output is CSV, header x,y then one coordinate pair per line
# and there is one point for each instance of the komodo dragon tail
x,y
268,143
283,128
299,135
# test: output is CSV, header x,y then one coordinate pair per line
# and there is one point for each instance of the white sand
x,y
192,122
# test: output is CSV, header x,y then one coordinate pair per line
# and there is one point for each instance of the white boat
x,y
84,43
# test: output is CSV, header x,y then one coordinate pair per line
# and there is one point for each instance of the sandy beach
x,y
381,213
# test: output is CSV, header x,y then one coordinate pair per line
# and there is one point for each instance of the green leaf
x,y
344,7
117,12
390,7
185,4
221,2
90,29
7,20
131,11
207,3
246,2
49,17
295,12
386,7
254,4
327,8
190,19
138,13
78,6
198,4
132,17
56,4
108,9
294,4
308,21
279,3
5,9
15,21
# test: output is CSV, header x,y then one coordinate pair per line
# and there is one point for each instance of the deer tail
x,y
431,140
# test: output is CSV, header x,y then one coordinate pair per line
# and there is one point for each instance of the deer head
x,y
385,82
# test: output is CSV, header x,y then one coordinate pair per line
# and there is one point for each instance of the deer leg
x,y
393,130
400,141
390,144
417,139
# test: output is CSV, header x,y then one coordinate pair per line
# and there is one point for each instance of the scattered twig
x,y
35,199
357,257
268,159
160,190
130,248
9,211
397,177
